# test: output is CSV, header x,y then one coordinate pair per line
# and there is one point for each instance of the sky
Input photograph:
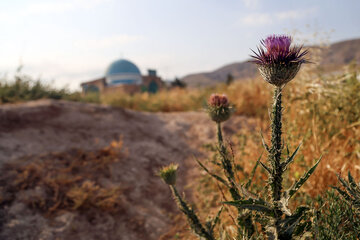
x,y
67,42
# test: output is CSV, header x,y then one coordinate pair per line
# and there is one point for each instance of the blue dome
x,y
122,66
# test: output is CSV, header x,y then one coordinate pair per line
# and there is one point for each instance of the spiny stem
x,y
226,164
194,221
275,153
244,219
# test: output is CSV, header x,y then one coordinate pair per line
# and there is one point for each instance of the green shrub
x,y
24,88
335,220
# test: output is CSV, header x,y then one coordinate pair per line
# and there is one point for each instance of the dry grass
x,y
165,101
243,94
321,111
74,180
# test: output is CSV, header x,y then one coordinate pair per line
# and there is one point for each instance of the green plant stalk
x,y
243,219
227,165
194,221
274,158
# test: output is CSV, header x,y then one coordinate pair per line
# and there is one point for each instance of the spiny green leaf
x,y
352,193
252,204
247,201
246,192
343,193
299,212
247,185
216,219
351,179
264,143
353,184
296,186
290,159
346,185
212,174
265,167
289,224
287,149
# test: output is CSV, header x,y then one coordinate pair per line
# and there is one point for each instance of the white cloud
x,y
251,3
257,19
260,19
294,14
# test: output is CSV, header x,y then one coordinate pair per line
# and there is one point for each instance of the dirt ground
x,y
151,140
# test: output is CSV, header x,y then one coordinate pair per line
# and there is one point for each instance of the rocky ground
x,y
151,140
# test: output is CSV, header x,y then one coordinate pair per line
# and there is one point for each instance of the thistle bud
x,y
219,108
168,174
277,61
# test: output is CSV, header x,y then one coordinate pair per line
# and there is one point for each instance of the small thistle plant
x,y
219,108
351,194
278,63
168,174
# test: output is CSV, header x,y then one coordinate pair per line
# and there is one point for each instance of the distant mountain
x,y
240,70
342,53
335,56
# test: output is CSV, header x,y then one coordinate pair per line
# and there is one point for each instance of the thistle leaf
x,y
287,150
296,186
346,185
265,167
293,218
290,159
351,192
252,204
247,185
246,192
342,193
216,219
264,143
289,224
220,179
351,179
353,184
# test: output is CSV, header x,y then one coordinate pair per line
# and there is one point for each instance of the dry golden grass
x,y
64,181
321,111
164,101
251,98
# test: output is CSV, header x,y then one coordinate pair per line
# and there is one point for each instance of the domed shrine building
x,y
123,75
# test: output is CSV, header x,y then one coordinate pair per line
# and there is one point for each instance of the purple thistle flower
x,y
217,100
219,107
277,43
278,62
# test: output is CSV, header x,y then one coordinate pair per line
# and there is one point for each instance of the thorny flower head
x,y
168,174
277,60
217,100
219,107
